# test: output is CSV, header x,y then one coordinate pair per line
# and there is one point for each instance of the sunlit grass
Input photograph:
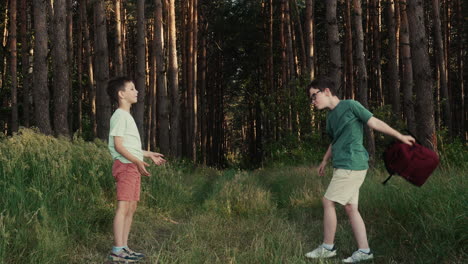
x,y
57,203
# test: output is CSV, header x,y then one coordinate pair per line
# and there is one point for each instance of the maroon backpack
x,y
414,163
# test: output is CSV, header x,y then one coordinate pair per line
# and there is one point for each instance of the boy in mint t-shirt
x,y
345,122
125,148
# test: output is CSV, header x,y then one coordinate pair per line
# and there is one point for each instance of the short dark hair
x,y
321,83
115,85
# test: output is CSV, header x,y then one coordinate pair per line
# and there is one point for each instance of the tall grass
x,y
57,202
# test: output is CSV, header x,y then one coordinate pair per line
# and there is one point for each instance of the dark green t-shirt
x,y
345,127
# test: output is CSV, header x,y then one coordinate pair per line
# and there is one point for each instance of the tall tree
x,y
173,80
25,60
349,69
362,72
407,71
89,65
141,66
162,93
41,68
439,47
393,83
335,68
309,22
118,37
13,66
422,74
103,109
61,73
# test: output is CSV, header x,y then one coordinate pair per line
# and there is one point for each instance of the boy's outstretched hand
x,y
407,139
157,158
141,168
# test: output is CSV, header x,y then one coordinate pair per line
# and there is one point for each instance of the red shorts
x,y
128,180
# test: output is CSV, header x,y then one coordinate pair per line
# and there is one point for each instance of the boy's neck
x,y
125,106
334,101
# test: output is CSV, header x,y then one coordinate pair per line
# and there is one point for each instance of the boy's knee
x,y
328,203
351,208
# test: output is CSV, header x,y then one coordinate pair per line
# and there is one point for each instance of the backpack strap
x,y
386,180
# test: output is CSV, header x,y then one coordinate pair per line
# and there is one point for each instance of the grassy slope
x,y
57,202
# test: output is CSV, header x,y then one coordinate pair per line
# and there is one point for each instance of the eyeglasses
x,y
314,96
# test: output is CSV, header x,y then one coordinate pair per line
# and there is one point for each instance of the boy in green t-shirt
x,y
125,148
345,122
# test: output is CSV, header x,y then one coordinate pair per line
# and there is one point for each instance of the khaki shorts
x,y
344,186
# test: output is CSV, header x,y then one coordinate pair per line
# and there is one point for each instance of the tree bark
x,y
393,83
103,110
362,73
422,73
40,70
309,37
140,71
162,93
61,72
118,38
173,81
439,47
89,65
335,68
349,69
25,60
13,66
407,71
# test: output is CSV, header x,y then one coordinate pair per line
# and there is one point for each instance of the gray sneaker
x,y
321,252
122,257
359,256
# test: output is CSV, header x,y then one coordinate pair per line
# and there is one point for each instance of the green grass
x,y
57,203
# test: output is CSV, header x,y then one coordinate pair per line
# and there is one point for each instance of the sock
x,y
328,246
116,250
365,250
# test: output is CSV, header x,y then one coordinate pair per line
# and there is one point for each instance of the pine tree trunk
x,y
61,72
103,110
377,58
140,81
393,83
89,65
118,38
309,20
336,68
194,117
462,71
162,94
40,70
407,71
362,73
441,65
349,69
173,81
422,73
24,22
79,65
203,94
13,66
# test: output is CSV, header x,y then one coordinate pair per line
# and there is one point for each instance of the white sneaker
x,y
358,256
321,252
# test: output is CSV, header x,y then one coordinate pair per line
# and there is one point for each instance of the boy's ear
x,y
119,94
327,91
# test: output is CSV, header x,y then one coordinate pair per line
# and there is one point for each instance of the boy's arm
x,y
381,126
119,147
157,158
326,157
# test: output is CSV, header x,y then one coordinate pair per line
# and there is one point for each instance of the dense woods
x,y
222,81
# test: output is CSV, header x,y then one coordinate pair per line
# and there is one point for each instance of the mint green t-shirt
x,y
345,127
123,125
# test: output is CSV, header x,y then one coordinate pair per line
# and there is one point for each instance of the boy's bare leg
x,y
128,221
119,222
357,223
329,221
